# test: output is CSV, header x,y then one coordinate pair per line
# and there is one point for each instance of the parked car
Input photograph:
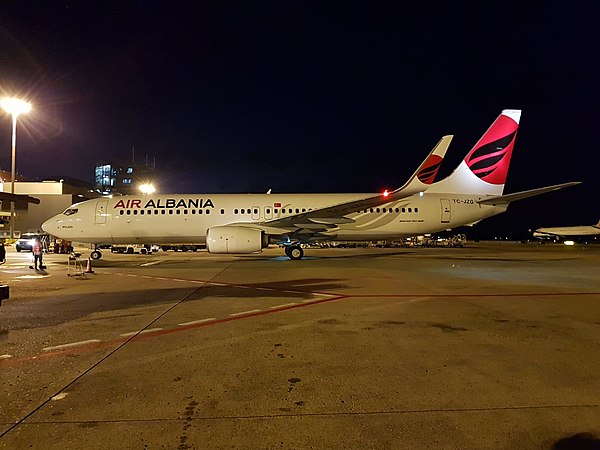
x,y
25,242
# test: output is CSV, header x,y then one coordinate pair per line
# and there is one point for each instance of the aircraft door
x,y
445,210
101,207
255,213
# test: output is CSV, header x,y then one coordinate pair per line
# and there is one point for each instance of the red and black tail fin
x,y
484,169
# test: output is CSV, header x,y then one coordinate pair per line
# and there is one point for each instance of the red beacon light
x,y
386,193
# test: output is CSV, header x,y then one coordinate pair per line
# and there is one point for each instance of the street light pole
x,y
12,174
14,106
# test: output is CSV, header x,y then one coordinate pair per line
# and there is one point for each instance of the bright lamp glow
x,y
147,188
386,193
15,106
569,242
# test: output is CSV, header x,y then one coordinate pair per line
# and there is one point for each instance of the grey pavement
x,y
490,346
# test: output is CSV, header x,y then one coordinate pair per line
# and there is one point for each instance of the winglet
x,y
425,174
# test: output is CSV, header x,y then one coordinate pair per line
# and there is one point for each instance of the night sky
x,y
306,96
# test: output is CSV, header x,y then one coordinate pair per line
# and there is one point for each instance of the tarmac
x,y
491,346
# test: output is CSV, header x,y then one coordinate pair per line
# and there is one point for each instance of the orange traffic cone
x,y
89,266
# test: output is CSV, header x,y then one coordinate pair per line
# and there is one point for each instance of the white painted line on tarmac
x,y
162,278
196,281
179,279
59,396
31,276
133,333
146,276
282,306
5,356
245,312
194,322
149,263
72,344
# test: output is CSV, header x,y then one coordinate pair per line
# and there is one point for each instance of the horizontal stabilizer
x,y
500,200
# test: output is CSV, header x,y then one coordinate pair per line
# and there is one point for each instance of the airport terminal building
x,y
54,196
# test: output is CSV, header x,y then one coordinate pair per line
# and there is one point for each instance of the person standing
x,y
37,250
2,252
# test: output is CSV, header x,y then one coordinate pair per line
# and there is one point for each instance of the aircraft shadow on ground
x,y
58,309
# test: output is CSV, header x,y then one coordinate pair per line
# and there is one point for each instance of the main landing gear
x,y
96,254
294,252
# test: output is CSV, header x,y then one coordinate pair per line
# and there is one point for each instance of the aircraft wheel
x,y
96,254
294,252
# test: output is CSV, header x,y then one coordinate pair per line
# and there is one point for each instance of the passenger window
x,y
403,210
303,209
128,212
377,210
416,209
371,210
297,211
409,210
268,211
135,212
397,210
171,211
163,212
193,211
142,212
384,210
178,211
235,211
222,211
156,212
121,212
185,211
208,211
255,211
199,211
276,210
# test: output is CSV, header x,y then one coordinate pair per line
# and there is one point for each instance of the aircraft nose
x,y
49,225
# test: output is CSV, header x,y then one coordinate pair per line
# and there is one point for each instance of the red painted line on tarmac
x,y
531,294
109,344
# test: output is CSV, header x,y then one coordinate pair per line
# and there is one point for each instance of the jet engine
x,y
233,239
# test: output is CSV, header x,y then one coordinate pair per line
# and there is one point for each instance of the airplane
x,y
248,223
581,232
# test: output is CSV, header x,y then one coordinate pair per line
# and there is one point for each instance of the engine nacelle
x,y
231,239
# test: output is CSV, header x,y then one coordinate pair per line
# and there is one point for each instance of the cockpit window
x,y
70,211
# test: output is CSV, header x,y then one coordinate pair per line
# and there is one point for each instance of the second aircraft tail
x,y
484,169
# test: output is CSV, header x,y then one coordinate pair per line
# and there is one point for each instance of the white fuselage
x,y
185,218
582,230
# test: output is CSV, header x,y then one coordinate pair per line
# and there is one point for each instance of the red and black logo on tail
x,y
430,169
490,158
